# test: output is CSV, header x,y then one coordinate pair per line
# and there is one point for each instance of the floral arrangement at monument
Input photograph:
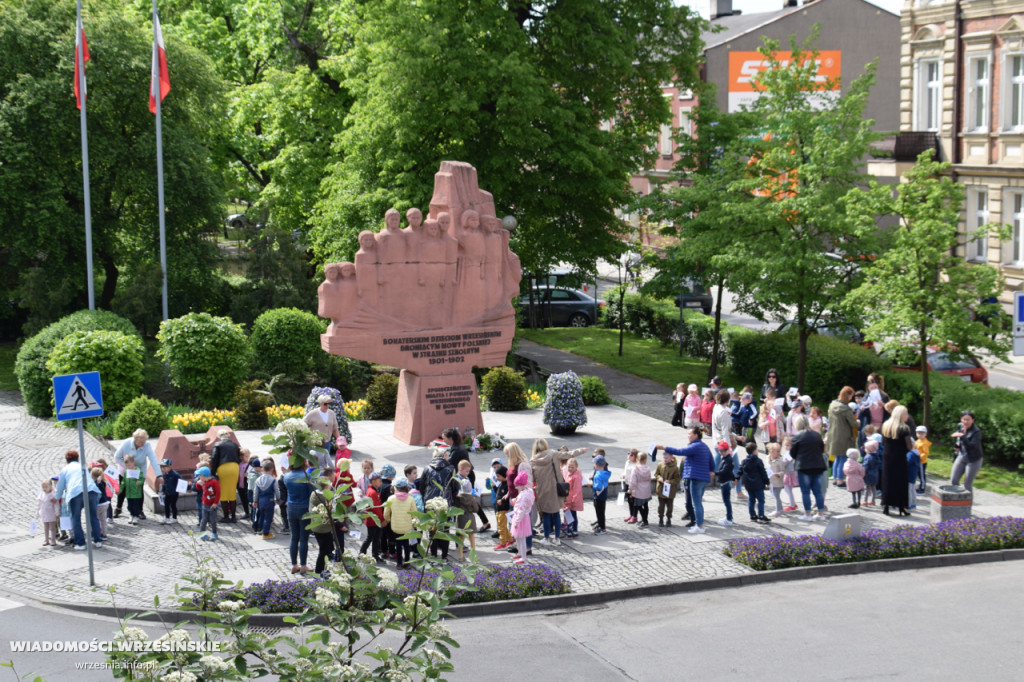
x,y
337,404
564,411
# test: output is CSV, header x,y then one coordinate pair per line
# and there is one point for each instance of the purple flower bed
x,y
949,537
494,584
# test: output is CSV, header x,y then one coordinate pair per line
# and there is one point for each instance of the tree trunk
x,y
622,314
716,342
110,285
926,389
801,364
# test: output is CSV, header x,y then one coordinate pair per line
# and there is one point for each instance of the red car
x,y
967,368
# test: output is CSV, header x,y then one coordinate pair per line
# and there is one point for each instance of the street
x,y
937,624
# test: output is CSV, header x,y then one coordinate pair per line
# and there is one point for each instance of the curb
x,y
585,599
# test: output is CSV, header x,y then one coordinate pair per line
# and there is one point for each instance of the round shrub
x,y
504,389
564,411
382,397
142,413
116,356
34,378
251,407
337,404
287,341
207,356
594,391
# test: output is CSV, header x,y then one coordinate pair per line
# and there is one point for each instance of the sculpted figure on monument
x,y
328,294
435,275
472,300
393,258
368,269
415,218
494,263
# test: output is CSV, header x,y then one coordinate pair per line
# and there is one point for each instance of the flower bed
x,y
949,537
200,422
494,584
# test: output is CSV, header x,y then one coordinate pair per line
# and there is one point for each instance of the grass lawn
x,y
8,352
645,358
993,478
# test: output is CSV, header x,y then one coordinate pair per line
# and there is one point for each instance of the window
x,y
684,122
929,94
977,218
665,140
977,94
1013,253
1013,114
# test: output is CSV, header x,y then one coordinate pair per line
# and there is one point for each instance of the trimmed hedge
x,y
699,335
116,356
594,391
250,406
382,397
287,341
142,413
831,363
30,366
207,356
504,389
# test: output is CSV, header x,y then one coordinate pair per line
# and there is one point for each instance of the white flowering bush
x,y
563,407
334,638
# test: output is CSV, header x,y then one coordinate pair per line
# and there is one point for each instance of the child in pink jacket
x,y
574,502
854,472
520,521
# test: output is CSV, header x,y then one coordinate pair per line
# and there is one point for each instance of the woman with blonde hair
x,y
517,464
897,441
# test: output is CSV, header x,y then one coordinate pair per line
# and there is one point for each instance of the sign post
x,y
1018,323
78,396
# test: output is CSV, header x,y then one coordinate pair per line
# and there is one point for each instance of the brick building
x,y
962,82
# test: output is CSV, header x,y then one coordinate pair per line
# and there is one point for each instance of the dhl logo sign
x,y
744,67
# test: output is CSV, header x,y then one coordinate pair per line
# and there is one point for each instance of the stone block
x,y
950,502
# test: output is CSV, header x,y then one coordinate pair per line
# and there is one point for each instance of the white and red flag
x,y
160,78
81,48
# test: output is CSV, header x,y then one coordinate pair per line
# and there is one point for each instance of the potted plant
x,y
564,411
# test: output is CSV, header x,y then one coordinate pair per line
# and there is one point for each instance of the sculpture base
x,y
427,405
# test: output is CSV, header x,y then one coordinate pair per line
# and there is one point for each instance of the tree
x,y
808,154
42,251
918,288
518,89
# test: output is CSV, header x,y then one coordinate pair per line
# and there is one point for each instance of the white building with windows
x,y
962,79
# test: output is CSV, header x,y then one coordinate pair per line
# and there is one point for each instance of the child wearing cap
x,y
375,519
266,494
398,514
854,472
599,481
252,474
725,475
924,446
501,508
209,497
387,538
521,528
872,465
691,407
170,491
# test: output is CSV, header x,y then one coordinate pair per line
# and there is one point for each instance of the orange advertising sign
x,y
745,66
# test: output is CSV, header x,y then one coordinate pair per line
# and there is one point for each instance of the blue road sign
x,y
78,396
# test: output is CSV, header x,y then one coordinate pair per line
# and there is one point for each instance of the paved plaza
x,y
148,559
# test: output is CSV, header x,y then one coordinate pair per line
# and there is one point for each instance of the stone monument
x,y
433,298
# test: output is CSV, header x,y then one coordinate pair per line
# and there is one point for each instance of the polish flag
x,y
80,46
159,72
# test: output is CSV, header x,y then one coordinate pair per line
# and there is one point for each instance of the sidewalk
x,y
147,560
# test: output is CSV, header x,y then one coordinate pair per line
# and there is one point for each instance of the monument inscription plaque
x,y
433,298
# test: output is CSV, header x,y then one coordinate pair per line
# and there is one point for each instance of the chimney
x,y
720,8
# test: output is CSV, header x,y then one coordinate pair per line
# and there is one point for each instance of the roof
x,y
737,25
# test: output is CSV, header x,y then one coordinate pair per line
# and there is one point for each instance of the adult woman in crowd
x,y
547,474
224,464
137,446
69,491
517,463
808,451
457,453
969,453
772,380
841,426
299,490
897,441
697,462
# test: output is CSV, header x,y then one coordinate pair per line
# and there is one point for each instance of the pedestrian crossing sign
x,y
78,396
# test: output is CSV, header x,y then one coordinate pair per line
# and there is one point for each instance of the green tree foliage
x,y
594,391
504,389
142,413
382,397
519,90
42,251
919,288
287,341
116,356
250,406
807,154
206,356
34,379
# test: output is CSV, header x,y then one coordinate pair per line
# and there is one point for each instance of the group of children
x,y
50,510
775,416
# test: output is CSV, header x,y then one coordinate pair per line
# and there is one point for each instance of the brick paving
x,y
147,560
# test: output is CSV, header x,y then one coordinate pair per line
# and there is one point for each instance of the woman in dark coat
x,y
897,441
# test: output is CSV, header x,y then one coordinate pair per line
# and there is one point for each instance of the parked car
x,y
561,277
236,220
840,330
695,295
566,307
939,360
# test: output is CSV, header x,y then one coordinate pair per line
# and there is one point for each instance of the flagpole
x,y
80,49
155,83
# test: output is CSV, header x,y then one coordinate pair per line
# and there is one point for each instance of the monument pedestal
x,y
427,405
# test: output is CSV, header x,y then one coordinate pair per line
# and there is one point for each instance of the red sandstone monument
x,y
433,298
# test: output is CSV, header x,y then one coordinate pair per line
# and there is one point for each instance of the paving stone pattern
x,y
147,560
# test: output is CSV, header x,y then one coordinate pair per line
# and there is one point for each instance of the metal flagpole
x,y
155,85
80,48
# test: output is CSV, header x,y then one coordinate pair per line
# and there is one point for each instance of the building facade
x,y
962,79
